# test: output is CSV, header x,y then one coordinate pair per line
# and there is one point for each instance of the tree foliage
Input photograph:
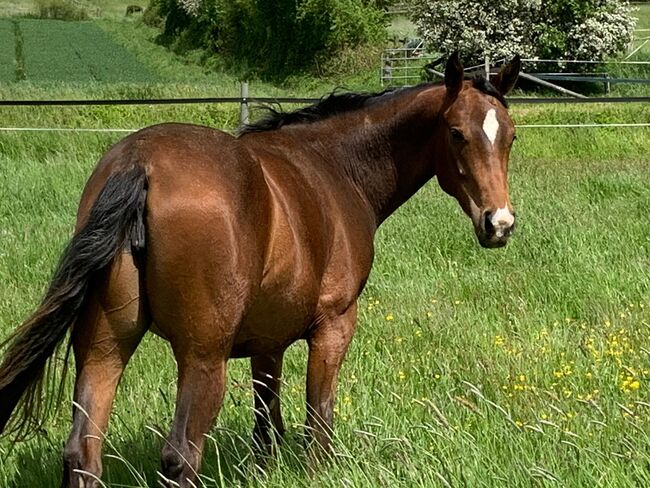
x,y
570,29
271,38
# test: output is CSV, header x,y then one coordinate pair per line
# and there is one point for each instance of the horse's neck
x,y
388,151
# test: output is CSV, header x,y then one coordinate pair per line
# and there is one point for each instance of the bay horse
x,y
237,246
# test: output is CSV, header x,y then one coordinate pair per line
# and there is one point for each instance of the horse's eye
x,y
457,135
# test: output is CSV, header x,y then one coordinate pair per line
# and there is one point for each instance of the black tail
x,y
116,220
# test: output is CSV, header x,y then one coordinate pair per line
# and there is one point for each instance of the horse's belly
x,y
275,320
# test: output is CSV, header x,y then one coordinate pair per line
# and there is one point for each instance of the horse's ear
x,y
507,77
454,75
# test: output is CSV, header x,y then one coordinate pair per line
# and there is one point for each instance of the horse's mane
x,y
330,105
337,103
483,84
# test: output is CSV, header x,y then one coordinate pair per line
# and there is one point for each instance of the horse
x,y
239,245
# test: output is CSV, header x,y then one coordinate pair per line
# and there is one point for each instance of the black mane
x,y
484,85
338,103
328,106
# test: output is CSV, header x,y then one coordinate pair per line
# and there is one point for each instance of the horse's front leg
x,y
328,344
267,371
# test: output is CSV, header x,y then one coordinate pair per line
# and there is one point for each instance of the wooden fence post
x,y
243,107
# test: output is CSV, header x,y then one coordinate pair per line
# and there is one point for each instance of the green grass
x,y
76,52
402,27
632,71
10,8
498,368
643,14
8,52
112,9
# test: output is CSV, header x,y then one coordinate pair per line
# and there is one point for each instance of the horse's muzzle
x,y
495,227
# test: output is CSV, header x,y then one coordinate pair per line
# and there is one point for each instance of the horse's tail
x,y
116,221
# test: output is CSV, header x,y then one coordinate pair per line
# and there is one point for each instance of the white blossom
x,y
501,28
191,7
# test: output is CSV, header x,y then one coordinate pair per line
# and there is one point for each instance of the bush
x,y
60,10
272,39
571,29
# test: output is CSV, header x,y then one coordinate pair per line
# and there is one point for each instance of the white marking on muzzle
x,y
491,125
502,220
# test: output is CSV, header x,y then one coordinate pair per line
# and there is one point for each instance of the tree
x,y
570,29
272,38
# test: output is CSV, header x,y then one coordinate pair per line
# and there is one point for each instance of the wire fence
x,y
244,101
130,131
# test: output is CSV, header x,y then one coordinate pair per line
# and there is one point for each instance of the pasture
x,y
528,365
39,50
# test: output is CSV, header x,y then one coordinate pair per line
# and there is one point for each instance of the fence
x,y
244,100
412,65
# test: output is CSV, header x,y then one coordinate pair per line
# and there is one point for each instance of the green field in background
x,y
7,52
67,52
519,367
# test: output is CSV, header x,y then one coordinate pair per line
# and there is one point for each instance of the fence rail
x,y
407,65
291,100
158,101
518,126
244,100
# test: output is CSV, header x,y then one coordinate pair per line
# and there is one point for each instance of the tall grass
x,y
60,10
518,367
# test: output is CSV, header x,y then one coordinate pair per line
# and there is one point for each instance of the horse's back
x,y
174,156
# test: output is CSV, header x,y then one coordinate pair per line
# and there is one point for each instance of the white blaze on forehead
x,y
491,125
502,220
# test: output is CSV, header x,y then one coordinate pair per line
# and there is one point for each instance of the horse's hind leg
x,y
201,388
107,333
267,371
200,324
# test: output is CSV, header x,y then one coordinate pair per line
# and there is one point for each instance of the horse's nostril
x,y
487,223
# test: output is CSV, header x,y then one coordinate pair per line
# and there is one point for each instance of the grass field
x,y
526,366
111,9
73,52
7,55
523,366
76,52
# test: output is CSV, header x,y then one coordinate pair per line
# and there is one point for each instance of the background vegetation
x,y
51,50
269,38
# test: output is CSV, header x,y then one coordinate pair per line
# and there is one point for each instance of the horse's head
x,y
478,134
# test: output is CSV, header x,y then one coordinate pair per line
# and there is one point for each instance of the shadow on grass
x,y
134,460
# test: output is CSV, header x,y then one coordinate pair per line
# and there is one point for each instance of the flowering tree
x,y
577,29
190,7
